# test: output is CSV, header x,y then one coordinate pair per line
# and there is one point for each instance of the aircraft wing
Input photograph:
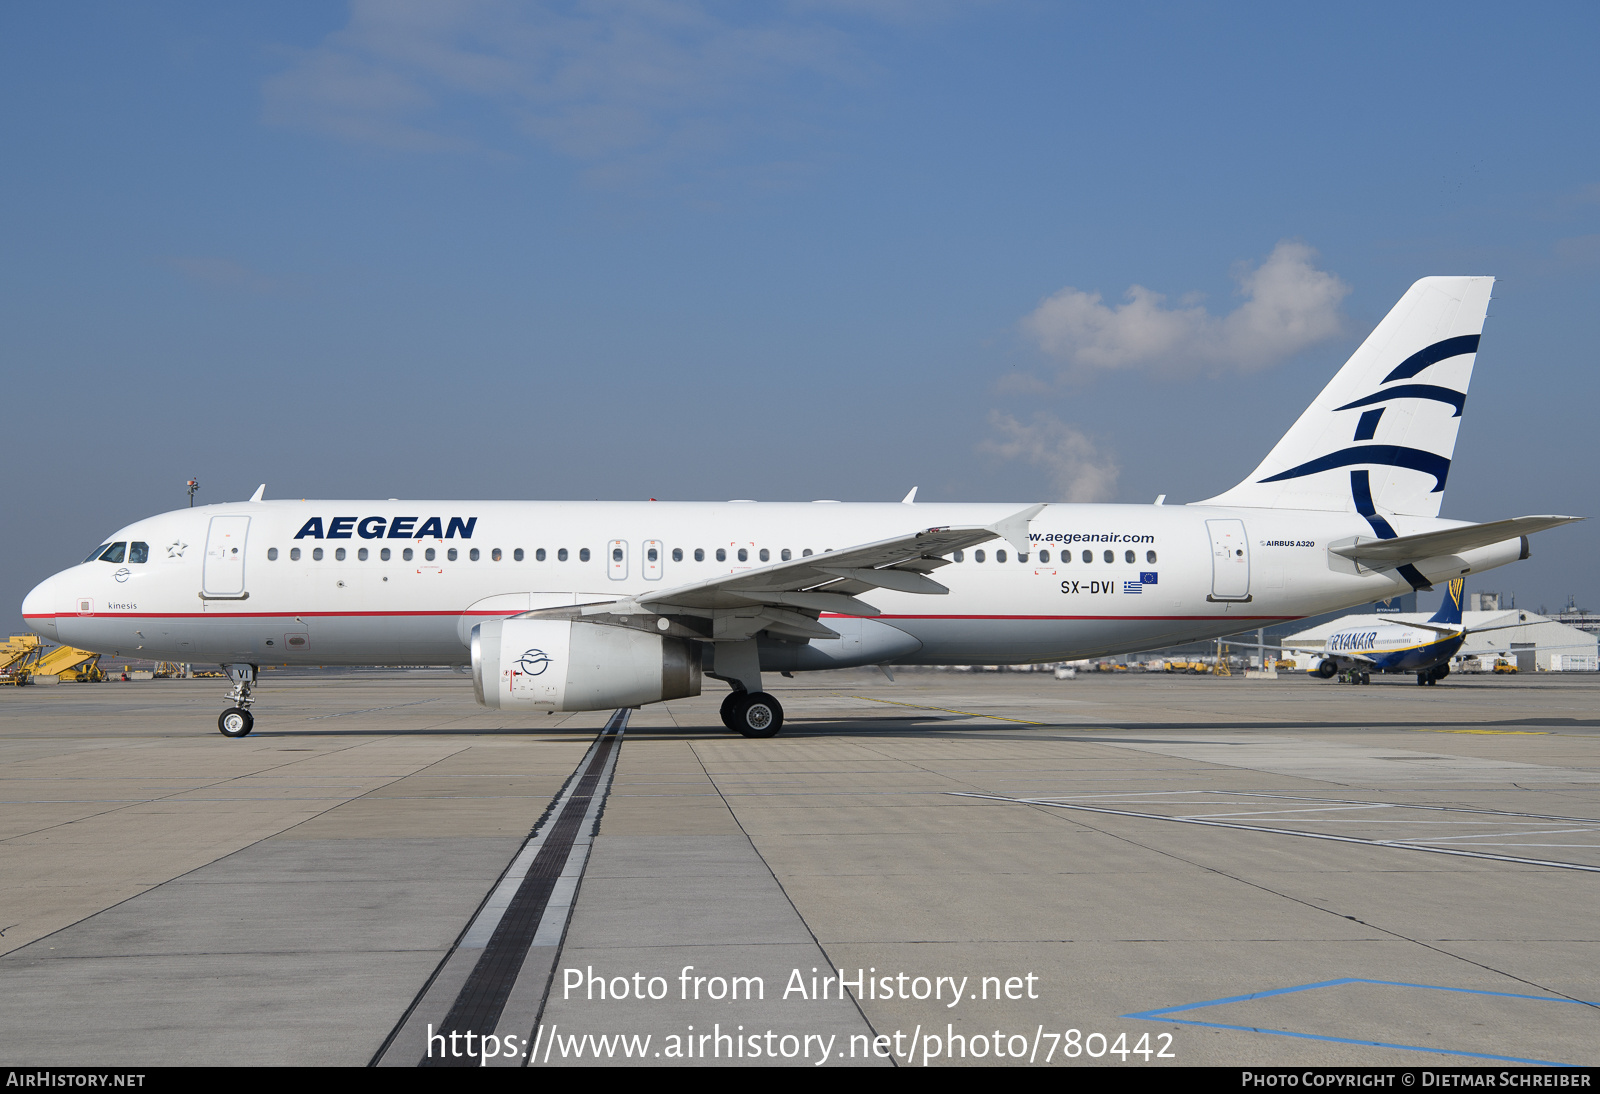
x,y
1448,542
787,597
1457,630
830,582
1315,651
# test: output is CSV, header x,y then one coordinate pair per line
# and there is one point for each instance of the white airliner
x,y
1385,646
562,606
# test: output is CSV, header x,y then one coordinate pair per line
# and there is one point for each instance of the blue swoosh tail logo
x,y
1432,355
1385,455
1456,399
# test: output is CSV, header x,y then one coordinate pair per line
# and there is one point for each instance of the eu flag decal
x,y
1147,577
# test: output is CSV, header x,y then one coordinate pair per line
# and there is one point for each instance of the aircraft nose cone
x,y
39,609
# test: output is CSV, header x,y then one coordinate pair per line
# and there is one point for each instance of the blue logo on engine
x,y
533,662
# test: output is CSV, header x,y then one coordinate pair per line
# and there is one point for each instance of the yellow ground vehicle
x,y
15,653
1502,665
69,664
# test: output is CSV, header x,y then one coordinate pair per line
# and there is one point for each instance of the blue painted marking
x,y
1382,455
1414,391
1432,355
1165,1013
1367,427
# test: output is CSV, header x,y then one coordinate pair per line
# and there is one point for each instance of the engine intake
x,y
551,664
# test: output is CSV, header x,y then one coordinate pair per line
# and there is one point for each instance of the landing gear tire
x,y
729,706
1366,677
235,722
757,715
1424,678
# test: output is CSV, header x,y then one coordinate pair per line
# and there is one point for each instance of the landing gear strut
x,y
753,714
237,721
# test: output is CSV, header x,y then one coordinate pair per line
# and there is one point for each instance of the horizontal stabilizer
x,y
1451,541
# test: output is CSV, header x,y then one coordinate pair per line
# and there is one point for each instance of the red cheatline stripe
x,y
826,615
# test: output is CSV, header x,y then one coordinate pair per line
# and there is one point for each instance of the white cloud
x,y
1288,306
1076,470
596,80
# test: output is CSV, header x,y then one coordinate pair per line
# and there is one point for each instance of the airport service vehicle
x,y
561,606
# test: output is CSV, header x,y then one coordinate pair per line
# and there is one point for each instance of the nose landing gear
x,y
237,720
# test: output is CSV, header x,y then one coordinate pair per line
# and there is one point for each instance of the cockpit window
x,y
114,552
94,554
138,552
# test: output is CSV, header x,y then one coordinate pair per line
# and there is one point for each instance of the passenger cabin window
x,y
272,554
744,556
538,555
652,555
561,555
806,553
338,554
140,552
616,554
977,556
960,556
114,552
294,554
408,554
429,555
316,554
1088,556
766,555
1111,556
583,554
385,554
494,555
786,555
452,554
1127,556
1022,556
999,556
362,555
1044,556
722,554
516,556
1150,556
699,554
677,554
474,554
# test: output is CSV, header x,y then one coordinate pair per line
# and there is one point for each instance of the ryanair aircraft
x,y
1383,646
562,606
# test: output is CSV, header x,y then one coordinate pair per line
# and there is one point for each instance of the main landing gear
x,y
753,714
1433,675
237,721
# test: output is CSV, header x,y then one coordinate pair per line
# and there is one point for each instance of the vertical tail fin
x,y
1381,435
1449,612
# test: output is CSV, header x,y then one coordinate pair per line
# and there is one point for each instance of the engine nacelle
x,y
557,664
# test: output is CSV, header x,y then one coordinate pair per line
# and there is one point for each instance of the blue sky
x,y
777,251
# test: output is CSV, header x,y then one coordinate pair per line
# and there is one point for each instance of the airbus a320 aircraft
x,y
563,606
